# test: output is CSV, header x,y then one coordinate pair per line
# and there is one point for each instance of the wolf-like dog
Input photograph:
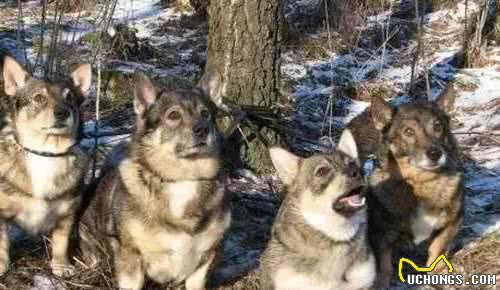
x,y
41,164
319,239
161,210
417,192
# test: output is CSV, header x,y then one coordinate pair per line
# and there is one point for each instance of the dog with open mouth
x,y
417,189
41,165
159,210
319,237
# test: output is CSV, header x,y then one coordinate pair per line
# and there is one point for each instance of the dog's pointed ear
x,y
14,76
81,76
445,100
286,164
347,144
381,112
144,93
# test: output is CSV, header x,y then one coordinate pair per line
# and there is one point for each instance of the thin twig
x,y
53,42
420,19
42,35
97,118
118,132
332,80
477,133
428,83
21,34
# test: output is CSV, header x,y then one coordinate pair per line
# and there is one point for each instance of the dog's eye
x,y
39,99
66,93
438,127
174,115
322,171
205,114
409,132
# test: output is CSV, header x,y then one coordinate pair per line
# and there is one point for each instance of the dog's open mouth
x,y
350,202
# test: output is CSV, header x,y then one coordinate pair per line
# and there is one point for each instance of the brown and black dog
x,y
416,191
160,211
41,165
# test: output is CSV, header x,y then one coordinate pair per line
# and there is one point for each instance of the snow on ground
x,y
478,110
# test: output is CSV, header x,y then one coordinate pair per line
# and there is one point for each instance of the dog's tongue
x,y
355,200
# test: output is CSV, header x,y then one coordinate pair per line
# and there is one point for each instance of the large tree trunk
x,y
243,66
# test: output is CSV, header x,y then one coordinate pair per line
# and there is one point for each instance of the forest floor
x,y
328,80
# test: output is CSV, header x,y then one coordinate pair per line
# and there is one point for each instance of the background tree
x,y
243,68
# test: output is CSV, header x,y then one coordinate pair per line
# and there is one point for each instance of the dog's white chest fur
x,y
424,224
179,196
45,172
174,255
38,215
328,276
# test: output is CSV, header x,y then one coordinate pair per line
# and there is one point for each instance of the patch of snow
x,y
294,71
354,109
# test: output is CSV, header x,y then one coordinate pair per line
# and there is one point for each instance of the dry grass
x,y
479,257
347,17
70,6
181,5
250,281
482,256
30,262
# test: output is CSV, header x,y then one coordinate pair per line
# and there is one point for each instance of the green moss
x,y
91,38
315,51
183,6
116,89
497,29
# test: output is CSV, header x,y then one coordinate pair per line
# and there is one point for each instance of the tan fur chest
x,y
180,195
435,188
39,215
51,182
424,223
333,271
171,255
51,176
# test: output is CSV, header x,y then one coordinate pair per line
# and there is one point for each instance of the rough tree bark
x,y
243,67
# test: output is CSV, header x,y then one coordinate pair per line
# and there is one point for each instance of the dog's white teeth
x,y
356,202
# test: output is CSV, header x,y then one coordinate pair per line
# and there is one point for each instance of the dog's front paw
x,y
62,270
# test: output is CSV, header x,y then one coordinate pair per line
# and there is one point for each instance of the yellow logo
x,y
422,269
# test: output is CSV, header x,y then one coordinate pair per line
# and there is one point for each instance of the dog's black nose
x,y
434,153
61,114
201,130
352,171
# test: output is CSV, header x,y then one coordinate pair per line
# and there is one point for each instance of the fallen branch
x,y
494,133
100,134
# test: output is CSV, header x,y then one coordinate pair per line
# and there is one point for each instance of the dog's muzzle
x,y
350,202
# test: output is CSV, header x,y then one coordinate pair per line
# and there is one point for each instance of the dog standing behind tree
x,y
160,211
417,190
41,165
319,237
